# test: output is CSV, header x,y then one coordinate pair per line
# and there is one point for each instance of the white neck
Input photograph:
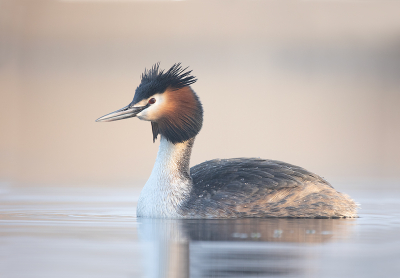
x,y
169,183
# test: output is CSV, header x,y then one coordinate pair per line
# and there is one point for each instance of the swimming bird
x,y
219,188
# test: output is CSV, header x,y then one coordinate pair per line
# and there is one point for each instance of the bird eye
x,y
152,101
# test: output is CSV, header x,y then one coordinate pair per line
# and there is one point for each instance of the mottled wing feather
x,y
224,174
239,187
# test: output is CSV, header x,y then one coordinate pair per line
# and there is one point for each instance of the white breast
x,y
169,183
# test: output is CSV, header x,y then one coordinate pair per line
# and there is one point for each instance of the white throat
x,y
169,184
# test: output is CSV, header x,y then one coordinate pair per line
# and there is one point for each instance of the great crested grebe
x,y
220,188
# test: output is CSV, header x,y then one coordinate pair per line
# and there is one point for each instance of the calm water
x,y
92,232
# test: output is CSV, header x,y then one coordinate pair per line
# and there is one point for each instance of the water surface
x,y
93,232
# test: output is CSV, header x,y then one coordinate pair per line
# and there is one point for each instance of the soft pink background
x,y
313,83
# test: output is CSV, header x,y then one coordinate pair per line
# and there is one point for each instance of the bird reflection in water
x,y
236,247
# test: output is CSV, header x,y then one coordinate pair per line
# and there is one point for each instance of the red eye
x,y
152,101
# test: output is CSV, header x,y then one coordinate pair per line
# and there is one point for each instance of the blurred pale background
x,y
312,83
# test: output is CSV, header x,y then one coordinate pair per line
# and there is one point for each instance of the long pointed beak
x,y
123,113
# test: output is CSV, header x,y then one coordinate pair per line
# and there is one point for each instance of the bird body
x,y
220,188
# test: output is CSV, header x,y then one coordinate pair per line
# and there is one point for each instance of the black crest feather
x,y
155,81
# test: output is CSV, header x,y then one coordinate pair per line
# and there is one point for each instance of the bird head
x,y
166,99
